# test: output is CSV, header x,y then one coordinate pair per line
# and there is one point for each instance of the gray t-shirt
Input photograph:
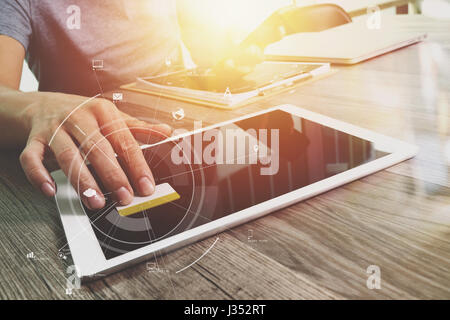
x,y
62,37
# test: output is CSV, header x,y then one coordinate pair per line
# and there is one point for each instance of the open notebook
x,y
346,44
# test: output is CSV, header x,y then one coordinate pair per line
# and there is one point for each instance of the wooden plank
x,y
379,220
29,223
231,270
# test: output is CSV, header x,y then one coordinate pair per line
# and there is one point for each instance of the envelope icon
x,y
118,96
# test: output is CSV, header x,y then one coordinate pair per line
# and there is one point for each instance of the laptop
x,y
346,44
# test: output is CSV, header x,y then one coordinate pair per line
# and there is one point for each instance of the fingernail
x,y
146,187
48,189
96,202
123,196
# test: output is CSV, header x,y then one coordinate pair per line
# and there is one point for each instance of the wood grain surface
x,y
397,219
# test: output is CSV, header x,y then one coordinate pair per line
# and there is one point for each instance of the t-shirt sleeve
x,y
15,20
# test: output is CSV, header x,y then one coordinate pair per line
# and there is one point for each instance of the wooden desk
x,y
397,219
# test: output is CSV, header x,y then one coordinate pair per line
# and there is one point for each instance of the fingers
x,y
102,158
128,151
101,131
145,132
100,134
72,164
31,161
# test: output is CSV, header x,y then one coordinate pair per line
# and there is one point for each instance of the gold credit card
x,y
164,193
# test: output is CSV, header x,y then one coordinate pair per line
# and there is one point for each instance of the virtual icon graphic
x,y
97,64
152,266
90,193
227,93
178,115
117,96
373,18
73,281
62,256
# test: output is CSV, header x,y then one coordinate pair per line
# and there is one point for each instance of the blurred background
x,y
226,23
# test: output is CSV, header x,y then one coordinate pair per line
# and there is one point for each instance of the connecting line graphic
x,y
84,229
126,147
198,259
98,82
155,113
206,218
209,249
104,155
110,234
68,116
160,94
79,129
162,158
150,229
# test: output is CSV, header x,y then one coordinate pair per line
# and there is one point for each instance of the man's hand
x,y
74,130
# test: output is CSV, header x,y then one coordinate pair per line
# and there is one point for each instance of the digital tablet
x,y
226,91
222,176
264,74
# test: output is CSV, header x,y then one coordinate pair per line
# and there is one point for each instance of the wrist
x,y
34,101
16,113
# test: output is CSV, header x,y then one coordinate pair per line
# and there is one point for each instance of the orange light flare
x,y
235,18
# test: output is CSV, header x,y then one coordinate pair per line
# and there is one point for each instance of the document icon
x,y
117,96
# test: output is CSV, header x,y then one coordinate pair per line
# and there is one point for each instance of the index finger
x,y
128,151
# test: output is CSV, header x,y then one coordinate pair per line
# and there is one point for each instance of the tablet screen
x,y
224,170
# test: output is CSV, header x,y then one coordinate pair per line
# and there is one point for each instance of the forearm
x,y
14,116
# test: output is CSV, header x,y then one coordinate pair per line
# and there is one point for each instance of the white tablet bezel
x,y
88,255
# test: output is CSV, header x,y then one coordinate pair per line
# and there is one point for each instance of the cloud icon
x,y
90,193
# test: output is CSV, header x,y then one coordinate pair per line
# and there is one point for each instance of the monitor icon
x,y
97,64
